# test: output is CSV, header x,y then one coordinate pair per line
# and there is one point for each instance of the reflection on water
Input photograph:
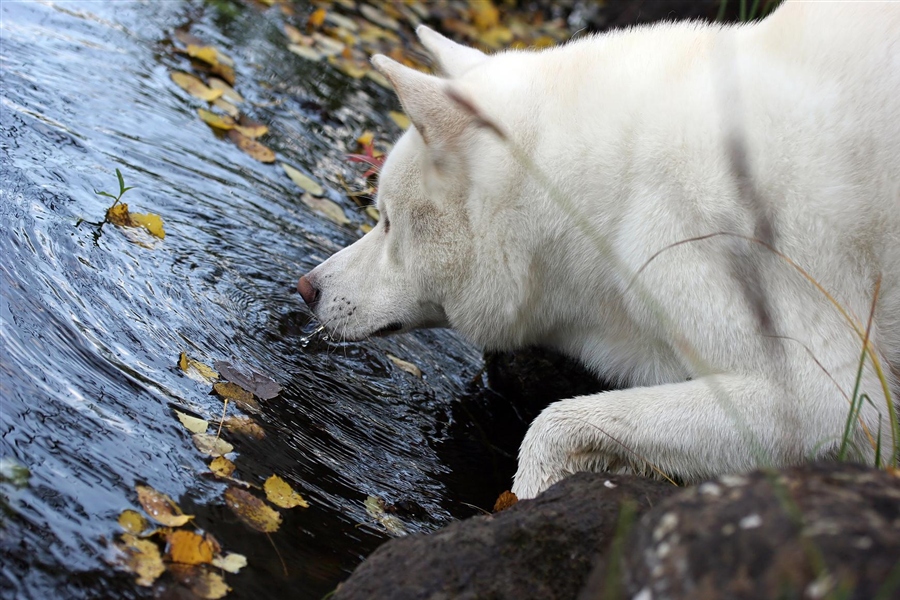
x,y
92,324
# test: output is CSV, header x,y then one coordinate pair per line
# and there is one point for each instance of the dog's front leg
x,y
690,430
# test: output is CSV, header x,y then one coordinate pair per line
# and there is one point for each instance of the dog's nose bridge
x,y
308,291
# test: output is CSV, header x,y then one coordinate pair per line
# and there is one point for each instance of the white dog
x,y
540,197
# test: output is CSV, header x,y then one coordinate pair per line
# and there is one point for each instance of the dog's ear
x,y
453,59
425,100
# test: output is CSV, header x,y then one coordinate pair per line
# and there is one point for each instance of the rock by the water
x,y
542,548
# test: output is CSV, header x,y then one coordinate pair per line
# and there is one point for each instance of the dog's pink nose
x,y
308,291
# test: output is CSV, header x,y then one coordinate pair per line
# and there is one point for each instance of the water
x,y
92,324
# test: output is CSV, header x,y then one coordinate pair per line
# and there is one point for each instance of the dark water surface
x,y
92,324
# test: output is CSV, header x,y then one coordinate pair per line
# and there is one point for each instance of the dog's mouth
x,y
389,329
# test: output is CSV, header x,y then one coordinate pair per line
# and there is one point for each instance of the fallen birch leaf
x,y
280,493
209,444
160,507
406,366
207,54
196,370
203,582
255,513
142,558
192,424
305,183
251,128
245,426
196,88
214,120
132,521
251,147
326,208
221,466
231,562
228,108
189,548
400,119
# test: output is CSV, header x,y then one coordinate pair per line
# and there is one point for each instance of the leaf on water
x,y
228,108
306,52
280,493
251,128
189,548
406,366
350,68
142,557
263,387
151,222
207,54
340,20
231,562
245,426
221,466
366,139
252,147
193,86
218,121
327,45
295,35
504,501
211,445
366,228
224,71
203,582
375,508
132,521
192,424
241,397
331,210
305,183
378,17
255,513
228,92
119,215
400,119
160,507
316,18
196,370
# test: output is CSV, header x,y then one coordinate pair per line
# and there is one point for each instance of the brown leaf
x,y
255,513
160,507
188,548
245,426
504,501
203,582
142,558
238,395
406,366
257,383
251,147
280,493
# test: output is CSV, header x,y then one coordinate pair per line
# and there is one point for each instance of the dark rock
x,y
826,530
542,548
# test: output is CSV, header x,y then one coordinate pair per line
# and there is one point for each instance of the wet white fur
x,y
623,142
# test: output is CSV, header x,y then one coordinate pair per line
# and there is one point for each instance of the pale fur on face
x,y
604,152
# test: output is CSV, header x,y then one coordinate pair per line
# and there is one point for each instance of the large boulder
x,y
541,548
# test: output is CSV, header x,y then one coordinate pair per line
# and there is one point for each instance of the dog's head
x,y
446,249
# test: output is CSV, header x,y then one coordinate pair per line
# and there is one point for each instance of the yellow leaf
x,y
211,445
406,366
228,92
119,215
228,108
327,208
305,51
305,183
366,228
356,70
245,426
192,424
231,562
221,466
255,513
196,370
280,493
226,72
195,87
207,54
372,211
132,521
251,128
142,558
160,507
379,79
378,17
233,391
366,139
188,548
484,14
202,582
214,120
317,18
151,222
400,119
252,147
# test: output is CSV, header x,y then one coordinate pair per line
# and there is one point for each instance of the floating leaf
x,y
351,68
226,72
406,365
378,17
231,562
373,213
192,424
255,513
327,208
366,228
193,86
237,394
252,147
142,558
211,445
228,108
221,466
203,582
306,52
228,92
305,183
366,139
151,222
189,548
251,128
196,370
340,20
118,215
328,46
213,120
280,493
207,54
375,508
263,387
316,18
132,521
245,426
400,119
160,507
